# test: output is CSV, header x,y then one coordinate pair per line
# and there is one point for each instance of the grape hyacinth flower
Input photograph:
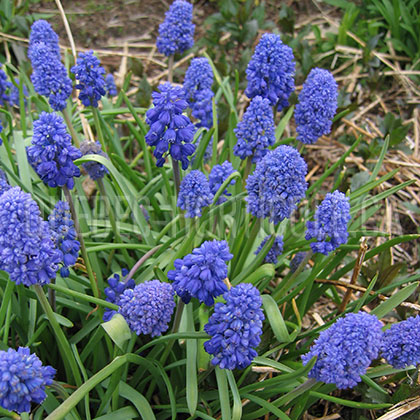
x,y
51,153
330,226
170,131
27,251
401,344
4,185
90,77
255,132
201,274
345,350
218,176
14,94
176,33
274,252
94,169
110,87
197,86
42,32
317,106
49,75
235,328
277,184
194,194
4,87
23,379
64,236
115,290
148,307
270,73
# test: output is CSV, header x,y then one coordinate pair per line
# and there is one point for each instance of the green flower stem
x,y
92,279
170,68
248,167
68,357
285,288
246,248
7,323
177,177
98,127
73,133
22,107
138,264
9,152
10,285
111,216
82,296
63,409
9,414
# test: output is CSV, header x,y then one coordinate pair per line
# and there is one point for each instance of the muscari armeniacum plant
x,y
204,294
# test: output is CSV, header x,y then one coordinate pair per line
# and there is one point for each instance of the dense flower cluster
x,y
148,307
169,129
42,32
197,85
51,153
270,73
274,252
235,328
4,87
218,176
94,169
110,87
330,226
255,132
345,350
194,194
401,344
115,290
64,236
23,379
27,251
176,33
317,106
277,184
49,75
90,77
201,273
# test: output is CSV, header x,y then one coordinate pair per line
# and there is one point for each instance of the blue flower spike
x,y
176,33
235,328
317,106
23,379
345,350
148,307
170,131
201,274
277,184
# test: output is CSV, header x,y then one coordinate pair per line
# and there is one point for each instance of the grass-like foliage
x,y
169,262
